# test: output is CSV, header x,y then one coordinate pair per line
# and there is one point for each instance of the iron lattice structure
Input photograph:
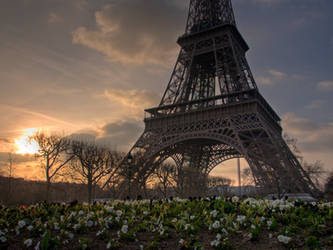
x,y
212,110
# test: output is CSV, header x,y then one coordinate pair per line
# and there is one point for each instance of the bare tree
x,y
329,187
218,184
164,175
10,174
215,181
52,150
93,163
315,170
247,177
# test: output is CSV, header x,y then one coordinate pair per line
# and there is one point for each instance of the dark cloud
x,y
89,137
135,31
121,135
17,158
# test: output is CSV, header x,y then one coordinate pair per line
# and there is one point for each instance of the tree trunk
x,y
89,188
48,180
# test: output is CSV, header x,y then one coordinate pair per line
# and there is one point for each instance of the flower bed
x,y
178,224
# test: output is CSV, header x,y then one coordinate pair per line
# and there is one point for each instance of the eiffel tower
x,y
212,110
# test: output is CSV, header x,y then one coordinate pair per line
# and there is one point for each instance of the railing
x,y
232,99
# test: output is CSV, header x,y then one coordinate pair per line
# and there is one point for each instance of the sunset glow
x,y
26,146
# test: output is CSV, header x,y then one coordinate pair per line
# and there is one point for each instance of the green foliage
x,y
313,242
81,225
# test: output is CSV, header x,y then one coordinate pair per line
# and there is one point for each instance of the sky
x,y
91,67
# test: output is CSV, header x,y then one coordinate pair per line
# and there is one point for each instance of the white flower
x,y
192,217
219,236
37,246
109,209
216,224
241,218
181,242
253,227
3,239
174,220
108,246
56,226
73,214
70,235
214,213
89,223
76,226
224,231
235,199
284,239
250,235
215,243
100,232
81,212
119,213
269,223
30,227
28,242
21,223
124,229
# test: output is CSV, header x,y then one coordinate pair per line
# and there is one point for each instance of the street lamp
x,y
129,173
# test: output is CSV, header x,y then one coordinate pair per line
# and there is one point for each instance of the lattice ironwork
x,y
212,110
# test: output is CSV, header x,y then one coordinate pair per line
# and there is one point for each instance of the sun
x,y
26,146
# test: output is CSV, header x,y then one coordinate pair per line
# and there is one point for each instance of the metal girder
x,y
212,110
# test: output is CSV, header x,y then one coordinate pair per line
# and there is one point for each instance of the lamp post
x,y
129,173
239,177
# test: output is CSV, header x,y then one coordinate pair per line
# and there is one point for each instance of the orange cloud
x,y
325,85
133,101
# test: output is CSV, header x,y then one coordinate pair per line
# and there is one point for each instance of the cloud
x,y
277,74
298,125
121,134
325,85
118,135
265,80
315,104
17,158
54,18
313,137
135,31
272,77
5,140
132,101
